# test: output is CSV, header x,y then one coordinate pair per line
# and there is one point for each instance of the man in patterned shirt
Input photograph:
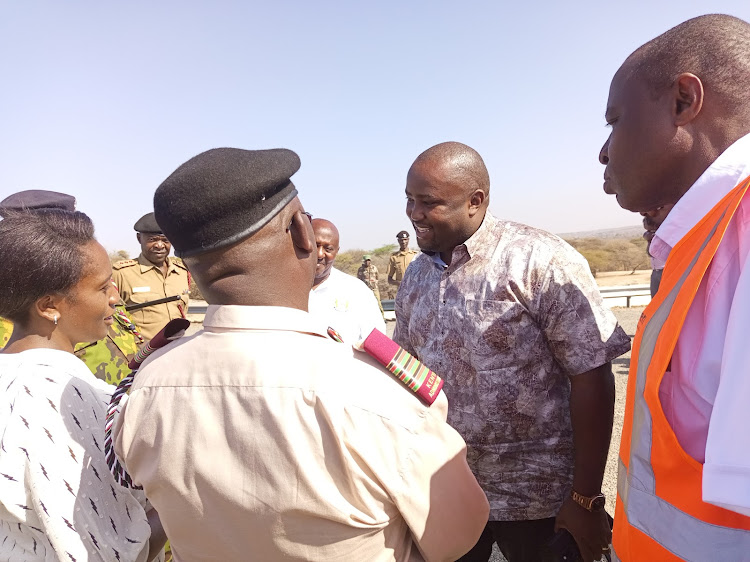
x,y
512,318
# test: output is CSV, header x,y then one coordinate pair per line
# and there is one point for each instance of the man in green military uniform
x,y
108,358
153,276
368,274
400,259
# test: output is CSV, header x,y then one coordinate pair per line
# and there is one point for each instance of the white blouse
x,y
58,500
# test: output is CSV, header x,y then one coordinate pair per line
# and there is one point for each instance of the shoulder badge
x,y
404,366
178,262
124,263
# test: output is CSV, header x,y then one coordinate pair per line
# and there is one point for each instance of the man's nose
x,y
414,211
321,253
604,153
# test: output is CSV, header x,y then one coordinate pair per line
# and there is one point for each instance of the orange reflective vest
x,y
660,514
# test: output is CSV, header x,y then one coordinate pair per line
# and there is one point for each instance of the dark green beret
x,y
403,234
147,223
33,199
222,196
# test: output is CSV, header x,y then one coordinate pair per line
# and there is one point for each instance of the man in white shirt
x,y
680,118
343,302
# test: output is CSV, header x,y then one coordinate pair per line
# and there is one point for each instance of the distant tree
x,y
386,250
612,254
119,255
350,261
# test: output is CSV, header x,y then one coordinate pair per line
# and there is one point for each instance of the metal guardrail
x,y
627,292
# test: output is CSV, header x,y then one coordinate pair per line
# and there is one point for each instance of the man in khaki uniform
x,y
153,275
368,274
400,259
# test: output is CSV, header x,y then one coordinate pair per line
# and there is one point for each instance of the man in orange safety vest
x,y
679,110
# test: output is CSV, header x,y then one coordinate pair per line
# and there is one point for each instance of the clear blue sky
x,y
103,100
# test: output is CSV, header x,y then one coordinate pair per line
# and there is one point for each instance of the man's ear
x,y
138,236
303,236
688,98
476,200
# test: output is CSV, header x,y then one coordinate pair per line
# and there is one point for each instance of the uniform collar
x,y
146,264
267,318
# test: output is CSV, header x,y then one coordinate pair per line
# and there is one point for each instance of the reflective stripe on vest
x,y
683,534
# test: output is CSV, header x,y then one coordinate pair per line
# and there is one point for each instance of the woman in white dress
x,y
58,500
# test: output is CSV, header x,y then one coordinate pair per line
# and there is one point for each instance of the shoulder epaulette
x,y
124,263
178,262
405,367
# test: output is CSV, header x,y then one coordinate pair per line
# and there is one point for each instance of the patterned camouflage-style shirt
x,y
515,313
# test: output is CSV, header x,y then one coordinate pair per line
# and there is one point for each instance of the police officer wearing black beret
x,y
261,436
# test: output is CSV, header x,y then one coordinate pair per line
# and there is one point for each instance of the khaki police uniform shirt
x,y
260,438
398,263
140,281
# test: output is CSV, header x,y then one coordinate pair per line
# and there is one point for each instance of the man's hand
x,y
590,529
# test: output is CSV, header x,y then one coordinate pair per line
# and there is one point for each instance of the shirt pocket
x,y
143,315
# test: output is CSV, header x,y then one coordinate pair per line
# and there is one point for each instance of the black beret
x,y
147,223
402,234
222,196
32,199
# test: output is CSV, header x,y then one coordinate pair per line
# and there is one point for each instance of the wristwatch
x,y
593,503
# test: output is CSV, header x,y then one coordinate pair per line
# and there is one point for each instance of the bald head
x,y
715,47
459,162
447,193
675,105
327,241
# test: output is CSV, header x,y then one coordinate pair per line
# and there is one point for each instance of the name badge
x,y
141,289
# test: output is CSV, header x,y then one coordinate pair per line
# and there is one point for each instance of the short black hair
x,y
41,256
714,47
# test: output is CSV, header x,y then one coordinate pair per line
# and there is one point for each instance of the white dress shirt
x,y
706,395
347,305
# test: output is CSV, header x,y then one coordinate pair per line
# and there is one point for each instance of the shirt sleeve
x,y
437,494
726,472
581,331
